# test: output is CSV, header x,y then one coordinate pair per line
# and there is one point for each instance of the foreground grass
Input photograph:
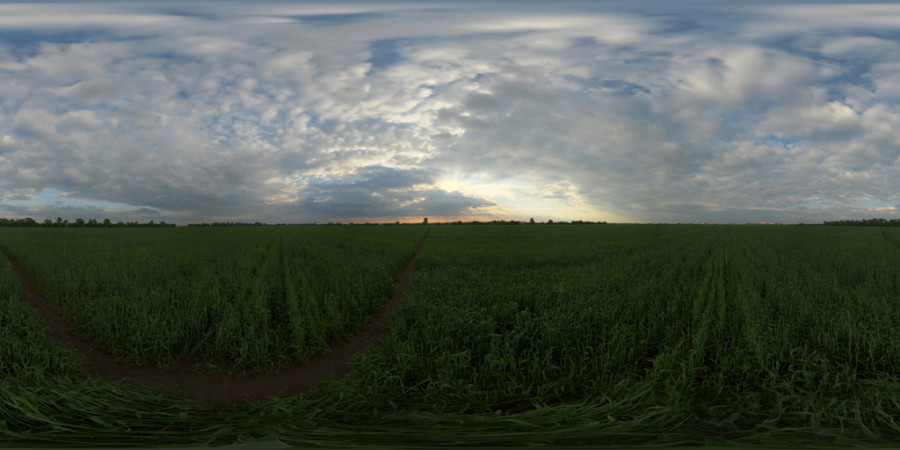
x,y
552,335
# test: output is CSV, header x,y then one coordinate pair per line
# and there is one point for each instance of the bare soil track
x,y
182,379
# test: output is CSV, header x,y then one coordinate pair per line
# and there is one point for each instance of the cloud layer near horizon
x,y
284,112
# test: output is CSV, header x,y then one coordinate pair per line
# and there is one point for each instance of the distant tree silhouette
x,y
873,222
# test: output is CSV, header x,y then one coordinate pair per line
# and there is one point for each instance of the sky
x,y
299,112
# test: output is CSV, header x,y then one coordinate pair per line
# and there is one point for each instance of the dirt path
x,y
182,379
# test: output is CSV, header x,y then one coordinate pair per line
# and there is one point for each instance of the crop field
x,y
234,299
506,335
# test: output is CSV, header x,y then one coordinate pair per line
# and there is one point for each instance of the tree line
x,y
874,222
78,223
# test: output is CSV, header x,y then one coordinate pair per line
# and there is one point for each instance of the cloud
x,y
288,113
385,192
822,122
795,19
27,16
861,47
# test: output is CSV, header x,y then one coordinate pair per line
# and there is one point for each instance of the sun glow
x,y
524,199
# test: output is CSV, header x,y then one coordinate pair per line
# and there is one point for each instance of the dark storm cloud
x,y
384,192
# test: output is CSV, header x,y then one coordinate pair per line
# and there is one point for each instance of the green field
x,y
507,335
234,299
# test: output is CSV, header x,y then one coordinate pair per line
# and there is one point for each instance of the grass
x,y
556,335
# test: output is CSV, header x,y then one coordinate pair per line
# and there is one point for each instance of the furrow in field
x,y
890,240
182,378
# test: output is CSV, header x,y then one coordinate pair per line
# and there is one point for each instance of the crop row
x,y
532,334
723,330
233,299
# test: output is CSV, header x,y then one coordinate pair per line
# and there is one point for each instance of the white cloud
x,y
883,129
795,19
739,74
295,112
862,47
332,9
886,79
822,122
26,16
558,28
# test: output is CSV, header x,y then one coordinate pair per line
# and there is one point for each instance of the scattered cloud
x,y
645,111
